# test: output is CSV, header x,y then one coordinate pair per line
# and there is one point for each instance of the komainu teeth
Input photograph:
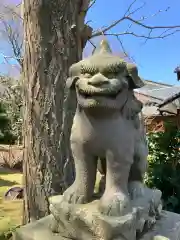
x,y
101,91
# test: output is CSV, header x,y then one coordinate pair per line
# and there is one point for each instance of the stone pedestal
x,y
167,228
84,221
146,221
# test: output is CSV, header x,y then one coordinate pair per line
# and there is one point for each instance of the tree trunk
x,y
52,32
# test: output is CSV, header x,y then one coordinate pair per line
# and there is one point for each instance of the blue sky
x,y
157,58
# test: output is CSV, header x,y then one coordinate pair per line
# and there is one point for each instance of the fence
x,y
11,155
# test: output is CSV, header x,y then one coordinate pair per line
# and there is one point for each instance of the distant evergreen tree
x,y
164,165
6,136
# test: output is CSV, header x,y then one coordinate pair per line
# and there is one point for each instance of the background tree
x,y
11,38
11,98
164,165
52,32
6,136
11,35
55,34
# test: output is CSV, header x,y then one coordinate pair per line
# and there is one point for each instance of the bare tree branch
x,y
129,13
161,36
91,4
11,22
151,27
13,12
13,40
154,15
128,16
106,29
10,57
143,18
129,8
126,55
92,43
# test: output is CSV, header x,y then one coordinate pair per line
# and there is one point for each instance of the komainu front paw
x,y
76,194
136,189
114,204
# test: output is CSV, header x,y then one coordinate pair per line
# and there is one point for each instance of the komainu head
x,y
103,80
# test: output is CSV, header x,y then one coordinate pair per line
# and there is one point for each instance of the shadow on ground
x,y
10,211
7,183
4,171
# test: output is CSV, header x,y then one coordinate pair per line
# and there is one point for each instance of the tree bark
x,y
52,32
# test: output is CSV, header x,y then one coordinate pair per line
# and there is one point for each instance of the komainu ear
x,y
71,81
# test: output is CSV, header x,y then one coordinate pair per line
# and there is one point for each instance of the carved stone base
x,y
166,228
84,221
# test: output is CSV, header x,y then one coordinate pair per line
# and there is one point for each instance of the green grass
x,y
98,178
10,211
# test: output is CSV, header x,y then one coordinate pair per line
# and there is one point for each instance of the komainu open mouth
x,y
110,95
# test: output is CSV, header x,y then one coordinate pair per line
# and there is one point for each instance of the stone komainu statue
x,y
106,126
106,129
